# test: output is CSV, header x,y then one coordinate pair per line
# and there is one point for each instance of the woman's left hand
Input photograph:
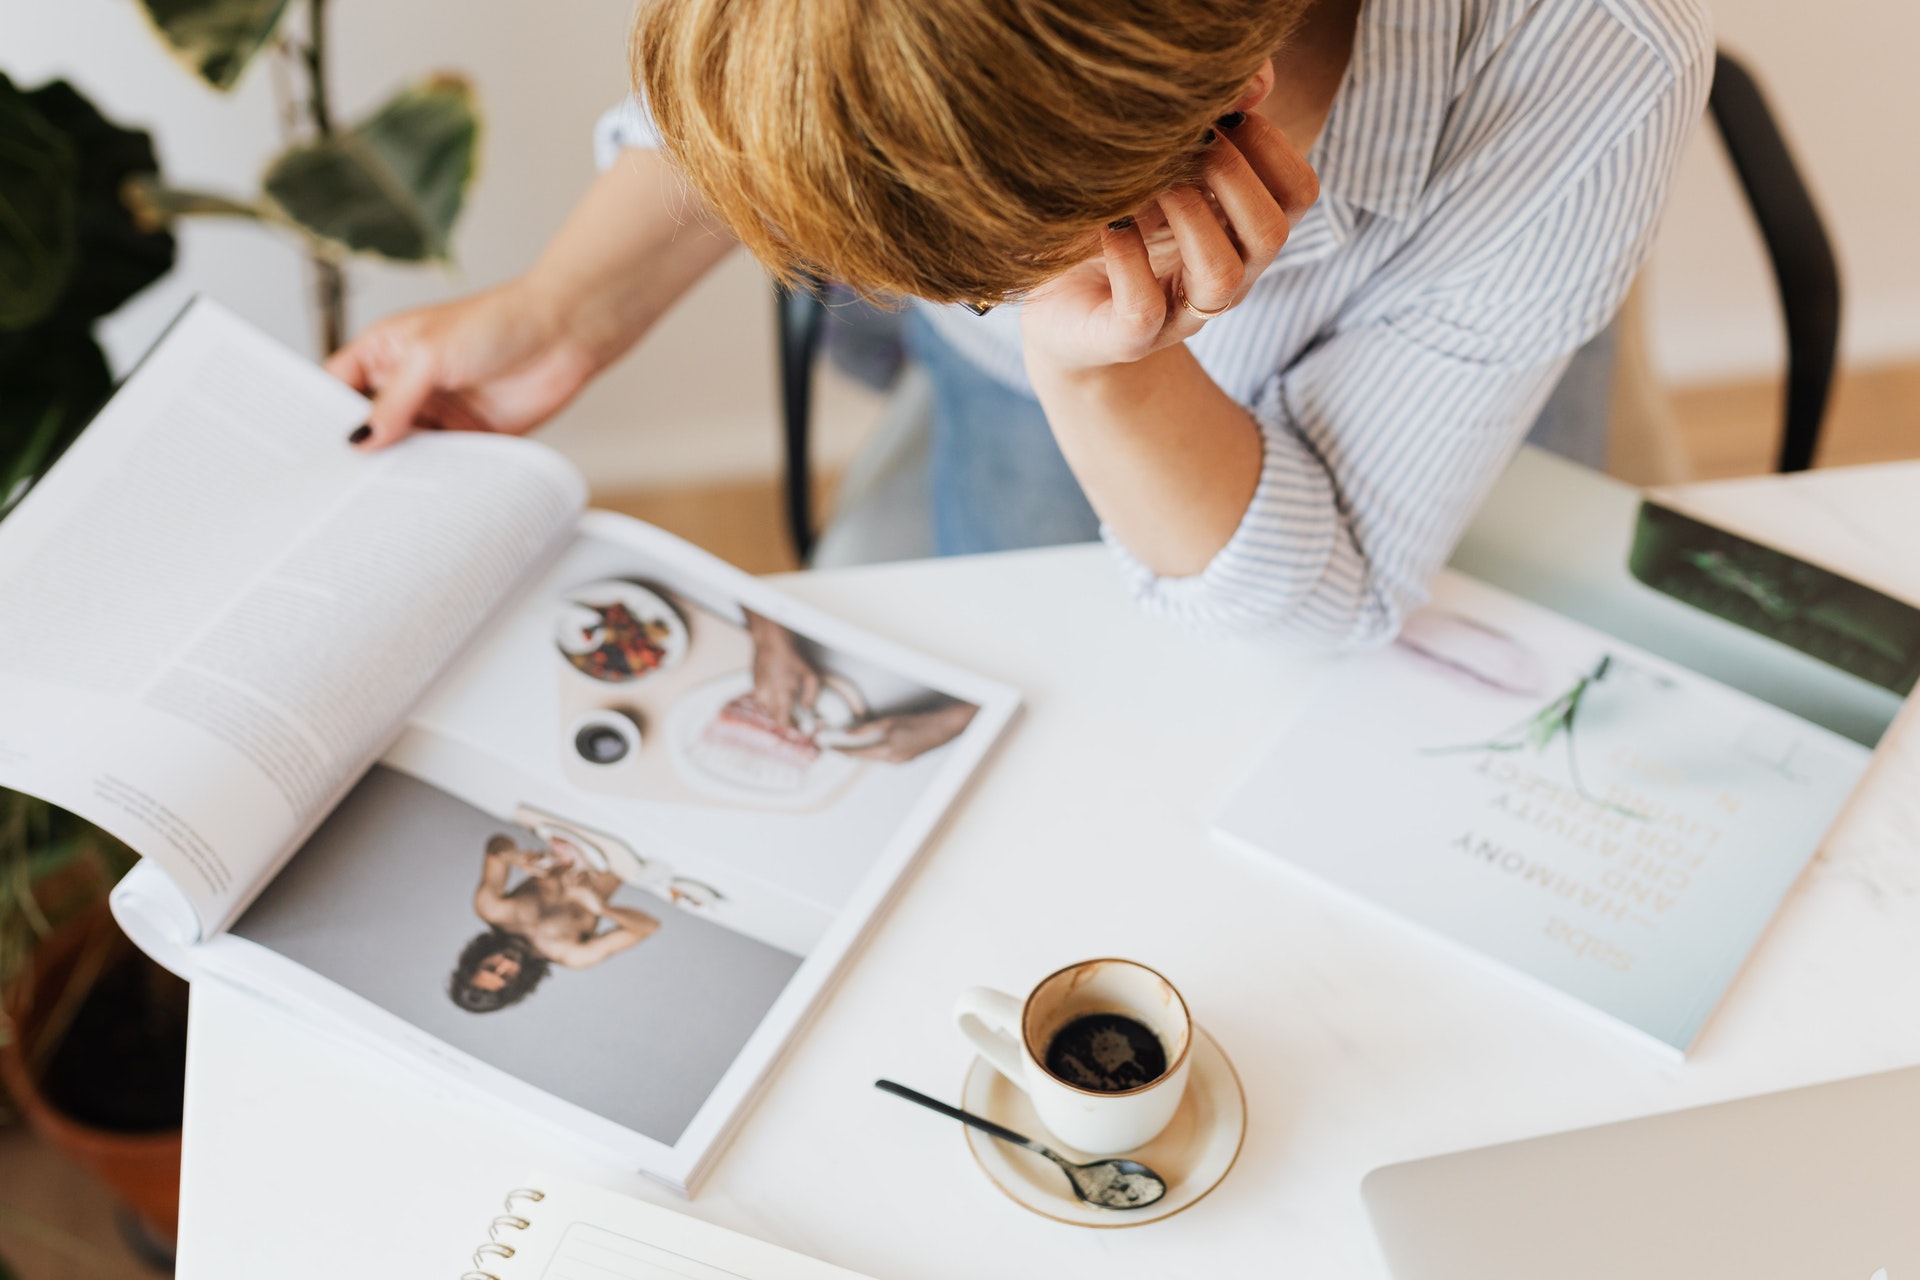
x,y
1125,304
898,739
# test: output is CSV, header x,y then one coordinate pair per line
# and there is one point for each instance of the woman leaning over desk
x,y
1277,286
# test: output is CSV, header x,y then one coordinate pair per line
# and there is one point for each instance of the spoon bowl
x,y
1114,1183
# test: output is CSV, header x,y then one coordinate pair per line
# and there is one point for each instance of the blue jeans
x,y
1000,482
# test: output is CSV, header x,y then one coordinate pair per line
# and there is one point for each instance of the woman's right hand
x,y
512,357
503,360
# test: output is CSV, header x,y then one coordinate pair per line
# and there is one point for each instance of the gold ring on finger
x,y
1204,315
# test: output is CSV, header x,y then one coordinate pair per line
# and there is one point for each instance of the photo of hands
x,y
642,692
665,698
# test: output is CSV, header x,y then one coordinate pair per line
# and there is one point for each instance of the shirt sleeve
x,y
624,125
1381,441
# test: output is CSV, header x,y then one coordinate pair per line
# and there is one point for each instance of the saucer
x,y
1193,1153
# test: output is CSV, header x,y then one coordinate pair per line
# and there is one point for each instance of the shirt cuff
x,y
626,125
1289,570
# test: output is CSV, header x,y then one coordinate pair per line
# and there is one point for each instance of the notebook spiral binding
x,y
495,1247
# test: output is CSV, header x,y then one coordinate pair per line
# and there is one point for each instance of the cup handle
x,y
986,1018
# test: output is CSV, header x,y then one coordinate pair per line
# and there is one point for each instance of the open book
x,y
548,800
556,1229
1601,763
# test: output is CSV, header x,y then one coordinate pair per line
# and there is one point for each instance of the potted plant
x,y
388,186
91,1038
92,1035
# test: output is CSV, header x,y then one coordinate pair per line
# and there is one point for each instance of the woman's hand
x,y
527,860
1169,460
783,680
1125,304
898,739
510,358
502,360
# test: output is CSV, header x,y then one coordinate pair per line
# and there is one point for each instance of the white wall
x,y
1840,75
696,400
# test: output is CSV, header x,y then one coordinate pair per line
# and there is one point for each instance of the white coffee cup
x,y
1014,1036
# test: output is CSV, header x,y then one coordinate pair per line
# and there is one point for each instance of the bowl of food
x,y
617,631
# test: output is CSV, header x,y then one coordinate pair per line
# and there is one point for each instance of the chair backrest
x,y
800,313
1797,245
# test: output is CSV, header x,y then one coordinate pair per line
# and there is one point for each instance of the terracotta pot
x,y
142,1169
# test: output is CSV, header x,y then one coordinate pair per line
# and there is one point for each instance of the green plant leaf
x,y
38,842
216,39
118,255
52,378
39,174
392,185
52,373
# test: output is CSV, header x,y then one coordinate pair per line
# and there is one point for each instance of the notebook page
x,y
588,1252
580,1232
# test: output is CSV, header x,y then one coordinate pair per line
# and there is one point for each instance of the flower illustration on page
x,y
1558,719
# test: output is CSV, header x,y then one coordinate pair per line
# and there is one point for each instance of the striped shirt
x,y
1491,175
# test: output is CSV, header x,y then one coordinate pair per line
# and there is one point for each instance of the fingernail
x,y
1232,120
1206,139
1120,224
361,434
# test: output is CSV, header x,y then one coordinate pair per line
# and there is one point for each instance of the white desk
x,y
1358,1043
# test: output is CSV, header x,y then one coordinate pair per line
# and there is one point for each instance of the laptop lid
x,y
1821,1183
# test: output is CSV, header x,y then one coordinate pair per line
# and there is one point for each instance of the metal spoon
x,y
1106,1184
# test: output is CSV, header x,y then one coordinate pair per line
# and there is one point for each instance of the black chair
x,y
1796,241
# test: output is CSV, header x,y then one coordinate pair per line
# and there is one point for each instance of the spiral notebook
x,y
557,1229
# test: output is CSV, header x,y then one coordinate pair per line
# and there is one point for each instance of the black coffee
x,y
1107,1053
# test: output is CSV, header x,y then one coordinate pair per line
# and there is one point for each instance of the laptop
x,y
1821,1183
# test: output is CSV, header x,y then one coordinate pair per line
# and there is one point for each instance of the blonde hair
x,y
956,150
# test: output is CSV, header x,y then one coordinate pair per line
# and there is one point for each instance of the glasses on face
x,y
979,308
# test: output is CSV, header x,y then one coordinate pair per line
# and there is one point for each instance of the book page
x,y
214,613
597,856
1578,809
579,1232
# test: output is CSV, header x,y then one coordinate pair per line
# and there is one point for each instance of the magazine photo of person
x,y
521,952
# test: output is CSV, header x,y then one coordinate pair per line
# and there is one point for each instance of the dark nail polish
x,y
1232,120
978,308
1120,224
361,434
1206,139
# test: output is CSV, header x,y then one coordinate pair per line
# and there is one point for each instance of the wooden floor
x,y
56,1225
1733,430
55,1222
744,523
